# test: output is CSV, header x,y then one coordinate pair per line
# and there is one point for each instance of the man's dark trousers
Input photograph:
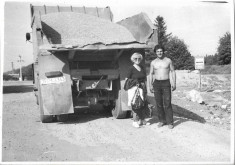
x,y
162,93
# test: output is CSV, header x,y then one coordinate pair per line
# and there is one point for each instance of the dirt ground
x,y
216,94
95,136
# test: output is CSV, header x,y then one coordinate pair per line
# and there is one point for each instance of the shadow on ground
x,y
84,115
17,89
177,120
180,114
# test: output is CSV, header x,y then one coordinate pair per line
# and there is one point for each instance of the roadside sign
x,y
199,63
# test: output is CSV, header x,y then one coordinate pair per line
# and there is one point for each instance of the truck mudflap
x,y
55,96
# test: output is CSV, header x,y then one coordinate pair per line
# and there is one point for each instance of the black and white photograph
x,y
117,82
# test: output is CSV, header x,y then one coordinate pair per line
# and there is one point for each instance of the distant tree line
x,y
177,50
211,59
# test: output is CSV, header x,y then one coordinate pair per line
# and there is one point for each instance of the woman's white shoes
x,y
135,124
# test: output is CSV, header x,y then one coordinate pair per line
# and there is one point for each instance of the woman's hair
x,y
158,47
136,55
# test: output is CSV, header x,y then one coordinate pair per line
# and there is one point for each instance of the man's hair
x,y
158,47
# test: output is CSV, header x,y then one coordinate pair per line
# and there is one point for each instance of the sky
x,y
199,24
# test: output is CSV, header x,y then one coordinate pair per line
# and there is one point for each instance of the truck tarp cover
x,y
80,30
141,28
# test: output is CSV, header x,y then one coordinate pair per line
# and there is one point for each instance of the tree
x,y
27,71
211,59
178,52
224,49
176,49
161,28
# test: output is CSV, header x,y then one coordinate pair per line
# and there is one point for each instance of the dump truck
x,y
81,57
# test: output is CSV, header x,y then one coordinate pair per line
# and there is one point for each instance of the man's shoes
x,y
135,124
170,126
161,124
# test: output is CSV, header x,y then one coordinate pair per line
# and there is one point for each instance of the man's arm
x,y
151,72
173,76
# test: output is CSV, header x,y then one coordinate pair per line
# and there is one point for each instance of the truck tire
x,y
109,108
62,118
46,118
129,114
117,110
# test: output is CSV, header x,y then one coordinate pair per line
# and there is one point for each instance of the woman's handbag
x,y
137,102
129,83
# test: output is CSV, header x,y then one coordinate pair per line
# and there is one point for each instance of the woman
x,y
137,72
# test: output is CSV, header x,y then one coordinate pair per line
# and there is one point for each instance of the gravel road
x,y
95,136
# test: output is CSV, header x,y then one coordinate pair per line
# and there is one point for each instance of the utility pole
x,y
13,69
20,78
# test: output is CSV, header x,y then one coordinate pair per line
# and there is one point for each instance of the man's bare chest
x,y
161,64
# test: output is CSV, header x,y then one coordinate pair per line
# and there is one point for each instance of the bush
x,y
7,77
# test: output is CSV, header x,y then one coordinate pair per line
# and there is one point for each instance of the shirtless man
x,y
162,81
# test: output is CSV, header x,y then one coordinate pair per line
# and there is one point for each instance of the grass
x,y
216,69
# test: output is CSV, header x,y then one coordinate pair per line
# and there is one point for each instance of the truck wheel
x,y
62,118
108,108
129,114
46,118
117,110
